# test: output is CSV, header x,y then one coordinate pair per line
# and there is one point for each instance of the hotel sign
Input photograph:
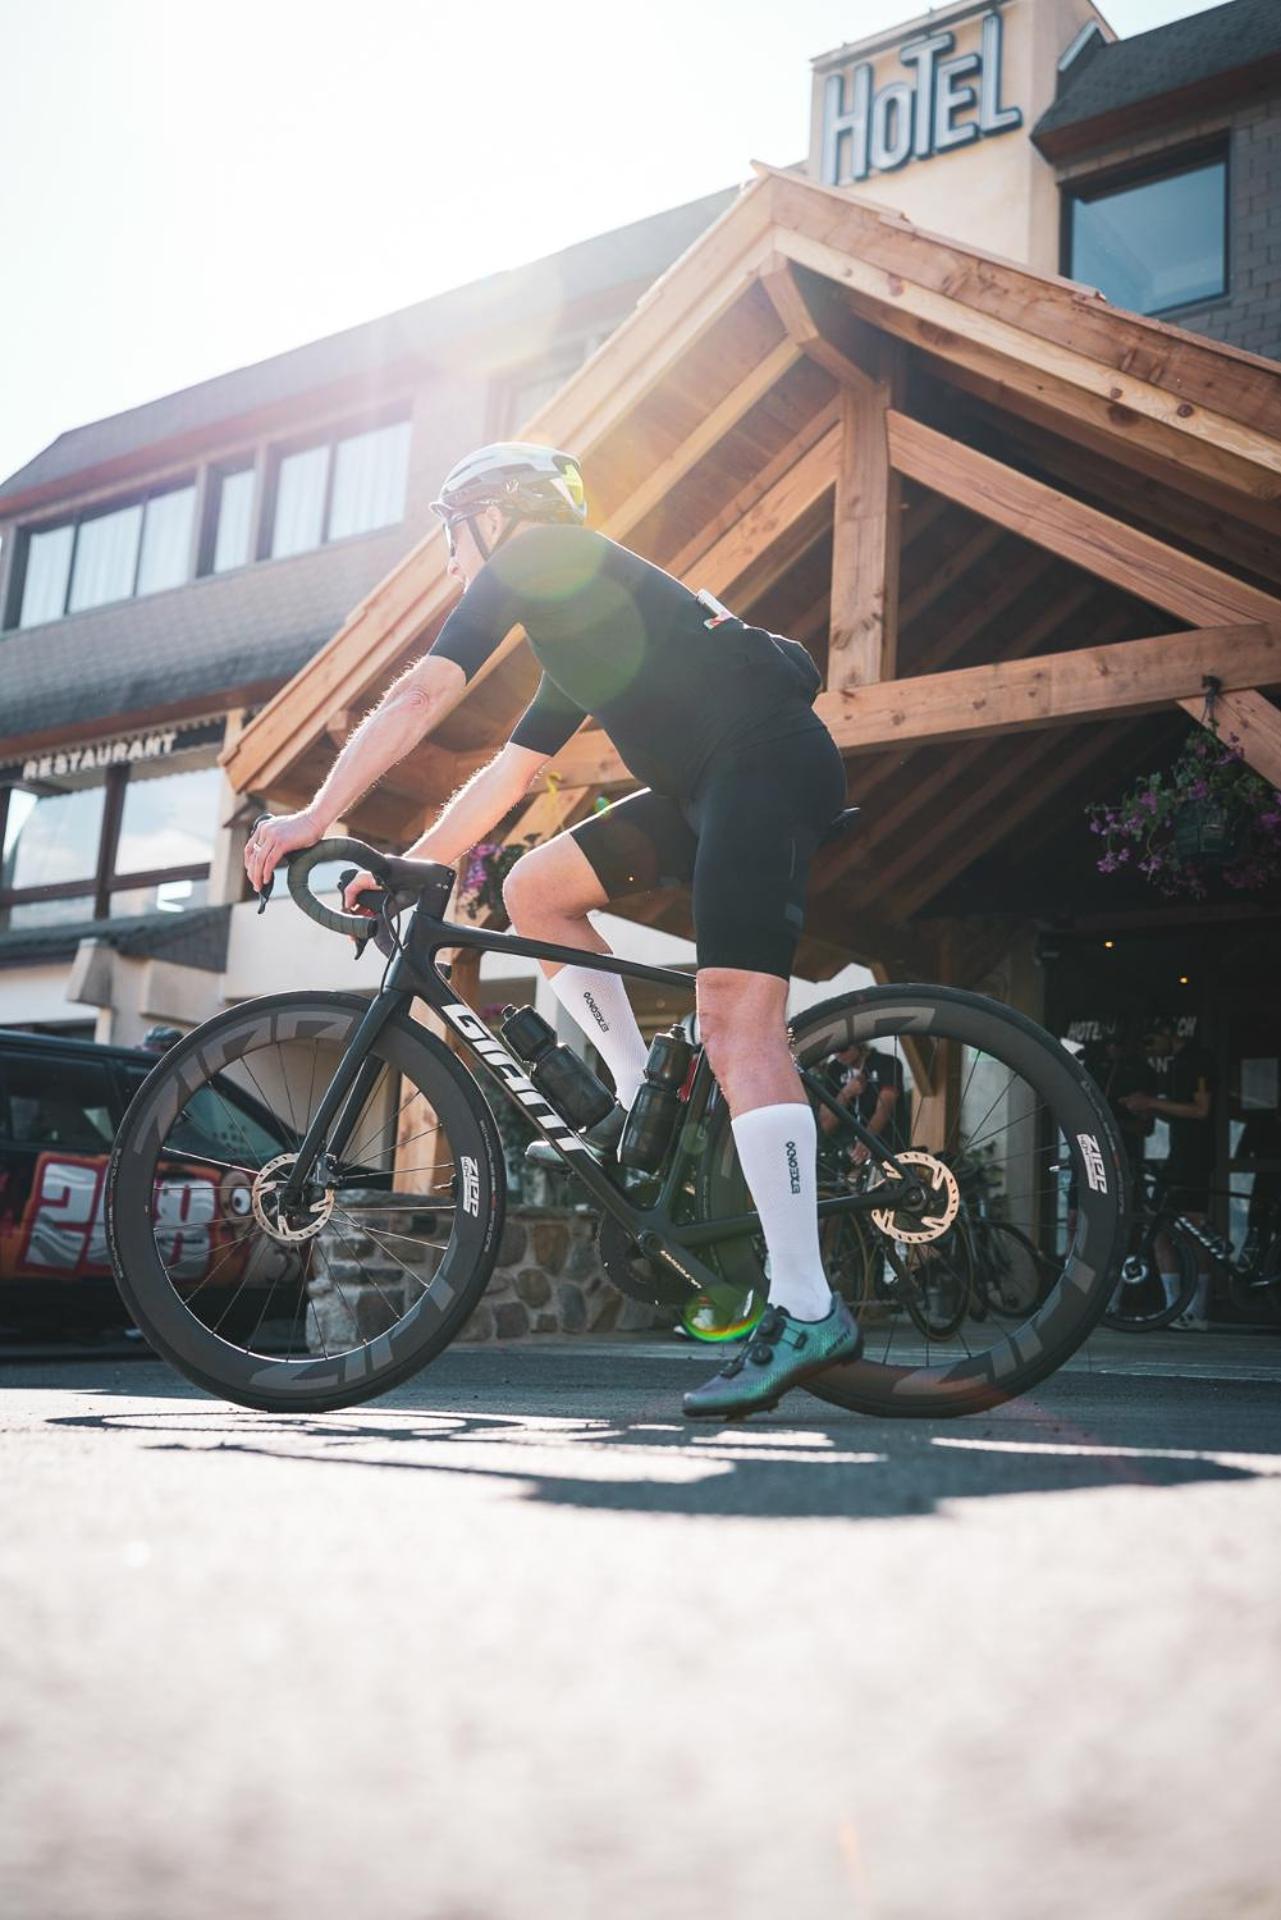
x,y
948,100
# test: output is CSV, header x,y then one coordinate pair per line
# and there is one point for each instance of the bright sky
x,y
188,188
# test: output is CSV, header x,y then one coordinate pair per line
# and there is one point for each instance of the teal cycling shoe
x,y
780,1353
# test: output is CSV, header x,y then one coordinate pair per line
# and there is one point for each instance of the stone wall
x,y
548,1279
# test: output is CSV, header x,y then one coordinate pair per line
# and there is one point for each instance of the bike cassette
x,y
309,1215
912,1226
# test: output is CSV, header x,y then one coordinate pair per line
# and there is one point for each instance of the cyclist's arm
x,y
477,807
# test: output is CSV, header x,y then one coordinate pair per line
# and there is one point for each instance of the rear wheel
x,y
1156,1252
369,1274
987,1092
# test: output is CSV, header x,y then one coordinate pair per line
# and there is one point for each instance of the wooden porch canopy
x,y
989,503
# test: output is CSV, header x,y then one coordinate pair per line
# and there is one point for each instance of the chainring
x,y
634,1273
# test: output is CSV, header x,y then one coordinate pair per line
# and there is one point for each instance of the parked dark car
x,y
61,1102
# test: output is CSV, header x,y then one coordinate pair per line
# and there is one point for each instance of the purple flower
x,y
1198,789
1148,800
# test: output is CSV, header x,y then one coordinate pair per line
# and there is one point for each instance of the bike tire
x,y
1086,1145
1147,1231
313,1383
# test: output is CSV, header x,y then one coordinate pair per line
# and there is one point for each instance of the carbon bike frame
x,y
413,973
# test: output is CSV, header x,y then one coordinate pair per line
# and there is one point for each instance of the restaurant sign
x,y
98,755
949,100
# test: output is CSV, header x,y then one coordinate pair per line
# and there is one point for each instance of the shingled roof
x,y
639,251
1163,65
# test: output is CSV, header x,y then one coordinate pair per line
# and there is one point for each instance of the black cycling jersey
x,y
626,643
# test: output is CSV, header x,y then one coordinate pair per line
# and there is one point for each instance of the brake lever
x,y
373,895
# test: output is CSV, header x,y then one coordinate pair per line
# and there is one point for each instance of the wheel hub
x,y
310,1212
927,1208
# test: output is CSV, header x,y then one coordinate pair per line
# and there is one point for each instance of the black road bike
x,y
362,1228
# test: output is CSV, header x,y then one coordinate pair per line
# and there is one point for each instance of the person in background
x,y
872,1083
1186,1104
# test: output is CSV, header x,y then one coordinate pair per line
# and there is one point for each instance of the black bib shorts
x,y
743,841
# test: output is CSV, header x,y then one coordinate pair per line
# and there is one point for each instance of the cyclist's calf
x,y
742,1021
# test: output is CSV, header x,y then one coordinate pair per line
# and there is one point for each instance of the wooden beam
x,y
709,433
927,788
1120,554
800,490
814,335
866,534
1149,363
750,495
1070,444
680,308
1130,412
1058,689
1251,722
1090,683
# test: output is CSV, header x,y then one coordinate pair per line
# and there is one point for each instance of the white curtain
x,y
166,540
44,592
235,520
300,502
106,558
370,471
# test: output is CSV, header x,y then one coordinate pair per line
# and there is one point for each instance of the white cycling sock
x,y
598,1003
1172,1282
777,1147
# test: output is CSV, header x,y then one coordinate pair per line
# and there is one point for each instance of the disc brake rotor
x,y
943,1199
309,1215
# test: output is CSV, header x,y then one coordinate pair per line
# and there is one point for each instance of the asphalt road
x,y
532,1649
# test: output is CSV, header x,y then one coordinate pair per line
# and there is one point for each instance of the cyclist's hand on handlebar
x,y
359,883
274,837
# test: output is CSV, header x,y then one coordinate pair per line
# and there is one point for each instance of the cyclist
x,y
1186,1104
741,782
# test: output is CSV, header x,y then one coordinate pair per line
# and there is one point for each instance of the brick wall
x,y
1249,315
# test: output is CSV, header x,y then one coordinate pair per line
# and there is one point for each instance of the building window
x,y
336,488
526,390
87,836
103,557
1156,242
233,541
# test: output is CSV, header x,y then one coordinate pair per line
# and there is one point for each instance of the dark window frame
x,y
121,503
97,887
216,473
1166,165
396,414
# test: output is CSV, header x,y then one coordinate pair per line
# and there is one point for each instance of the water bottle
x,y
655,1110
556,1071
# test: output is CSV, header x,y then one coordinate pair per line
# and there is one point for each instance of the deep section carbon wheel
x,y
990,1101
308,1302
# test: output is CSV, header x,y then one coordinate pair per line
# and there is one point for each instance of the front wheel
x,y
989,1103
305,1306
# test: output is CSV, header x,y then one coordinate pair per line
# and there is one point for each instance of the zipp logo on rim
x,y
1095,1171
793,1167
471,1186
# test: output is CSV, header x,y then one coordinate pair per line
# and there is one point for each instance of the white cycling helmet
x,y
529,482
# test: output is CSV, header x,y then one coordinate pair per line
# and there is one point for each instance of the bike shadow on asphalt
x,y
565,1446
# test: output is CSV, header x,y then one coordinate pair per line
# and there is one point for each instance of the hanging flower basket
x,y
1208,831
1205,816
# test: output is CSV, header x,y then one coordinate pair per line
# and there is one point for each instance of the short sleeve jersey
x,y
623,642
